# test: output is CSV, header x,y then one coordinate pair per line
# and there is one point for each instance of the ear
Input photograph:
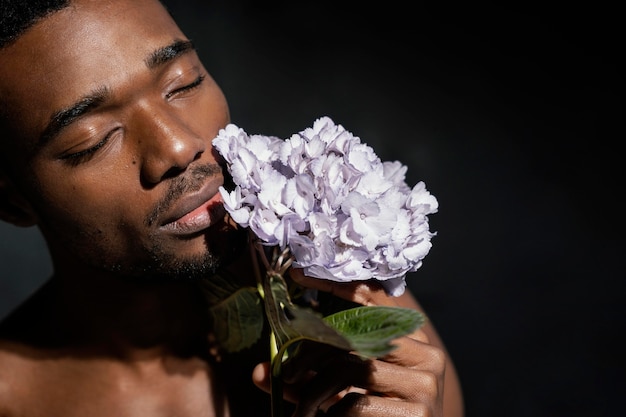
x,y
14,207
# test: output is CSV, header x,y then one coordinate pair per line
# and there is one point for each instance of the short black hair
x,y
17,16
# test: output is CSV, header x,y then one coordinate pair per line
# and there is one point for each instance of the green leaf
x,y
290,322
370,329
236,313
238,319
219,286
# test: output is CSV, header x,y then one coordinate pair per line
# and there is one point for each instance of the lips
x,y
196,212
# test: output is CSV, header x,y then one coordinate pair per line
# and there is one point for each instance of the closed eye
x,y
196,83
85,155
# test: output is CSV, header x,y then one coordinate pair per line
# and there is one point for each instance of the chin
x,y
218,247
193,258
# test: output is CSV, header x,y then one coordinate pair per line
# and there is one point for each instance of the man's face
x,y
113,116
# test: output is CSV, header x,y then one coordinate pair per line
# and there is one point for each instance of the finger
x,y
261,376
393,381
419,335
361,292
329,385
309,356
360,405
417,355
384,379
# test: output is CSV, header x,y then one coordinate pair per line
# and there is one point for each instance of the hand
x,y
407,382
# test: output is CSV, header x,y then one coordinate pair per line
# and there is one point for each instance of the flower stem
x,y
276,382
277,268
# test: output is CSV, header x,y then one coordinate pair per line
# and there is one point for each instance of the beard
x,y
159,265
153,258
165,266
169,268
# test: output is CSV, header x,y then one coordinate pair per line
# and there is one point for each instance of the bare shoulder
x,y
19,357
408,300
16,370
6,362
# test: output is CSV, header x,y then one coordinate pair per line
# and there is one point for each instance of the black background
x,y
514,118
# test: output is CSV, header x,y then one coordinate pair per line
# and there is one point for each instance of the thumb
x,y
261,376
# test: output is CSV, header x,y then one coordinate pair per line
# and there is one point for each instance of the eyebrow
x,y
168,53
90,102
62,118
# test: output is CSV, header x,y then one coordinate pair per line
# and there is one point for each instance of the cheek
x,y
97,200
97,218
212,113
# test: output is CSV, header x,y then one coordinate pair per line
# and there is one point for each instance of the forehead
x,y
88,45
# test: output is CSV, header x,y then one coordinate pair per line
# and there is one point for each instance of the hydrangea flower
x,y
344,214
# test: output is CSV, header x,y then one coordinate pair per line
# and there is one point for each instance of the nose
x,y
167,144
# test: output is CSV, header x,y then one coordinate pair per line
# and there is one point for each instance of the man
x,y
107,117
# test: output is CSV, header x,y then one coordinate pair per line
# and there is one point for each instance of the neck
x,y
122,318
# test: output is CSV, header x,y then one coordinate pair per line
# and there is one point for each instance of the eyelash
x,y
85,155
196,83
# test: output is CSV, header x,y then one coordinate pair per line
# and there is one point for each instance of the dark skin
x,y
107,149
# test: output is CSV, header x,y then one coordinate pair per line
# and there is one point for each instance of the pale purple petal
x,y
344,213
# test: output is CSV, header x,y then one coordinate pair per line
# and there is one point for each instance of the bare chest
x,y
71,388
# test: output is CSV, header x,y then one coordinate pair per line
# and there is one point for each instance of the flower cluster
x,y
344,214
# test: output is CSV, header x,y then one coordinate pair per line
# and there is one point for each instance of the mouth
x,y
197,211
